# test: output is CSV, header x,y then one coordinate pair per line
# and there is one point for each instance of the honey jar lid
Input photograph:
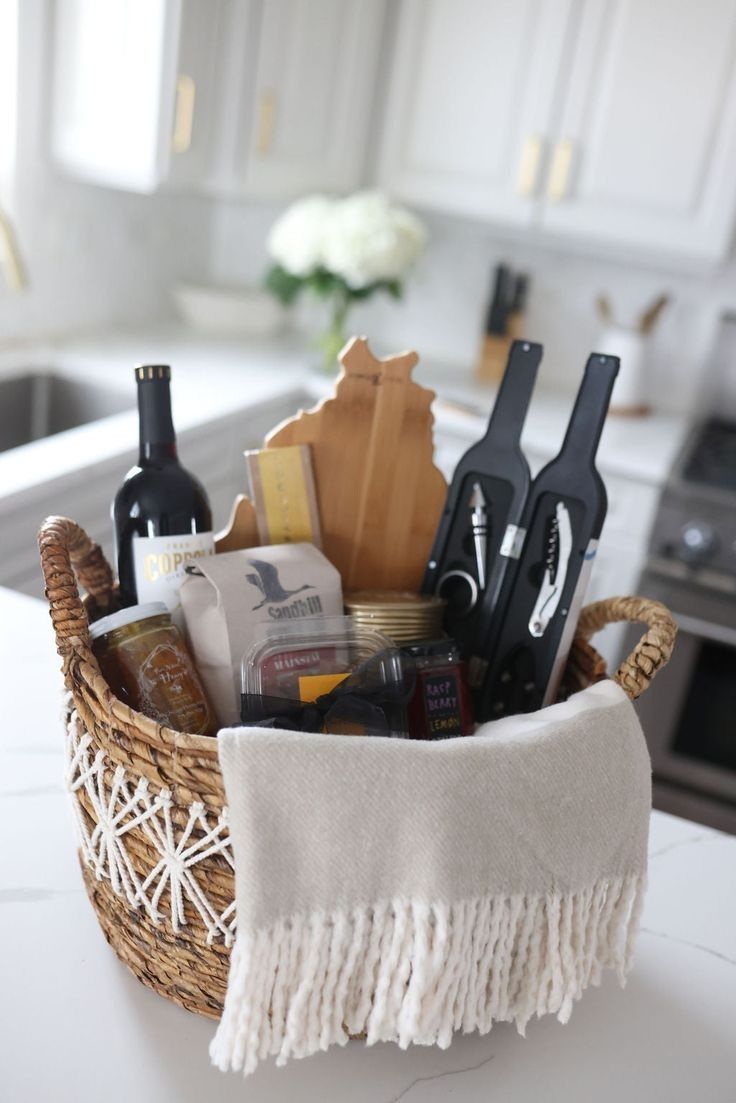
x,y
126,616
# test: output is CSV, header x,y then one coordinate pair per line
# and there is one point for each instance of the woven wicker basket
x,y
150,804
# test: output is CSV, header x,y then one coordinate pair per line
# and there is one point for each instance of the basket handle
x,y
70,559
652,651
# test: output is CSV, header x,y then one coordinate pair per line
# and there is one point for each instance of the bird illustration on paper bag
x,y
266,578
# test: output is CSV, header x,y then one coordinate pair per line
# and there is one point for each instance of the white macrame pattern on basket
x,y
126,804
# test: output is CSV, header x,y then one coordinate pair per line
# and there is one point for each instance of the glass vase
x,y
332,339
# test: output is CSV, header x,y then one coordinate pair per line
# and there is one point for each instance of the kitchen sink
x,y
38,404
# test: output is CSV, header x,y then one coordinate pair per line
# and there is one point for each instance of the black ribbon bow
x,y
370,701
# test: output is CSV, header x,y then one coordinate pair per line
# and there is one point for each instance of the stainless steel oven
x,y
689,711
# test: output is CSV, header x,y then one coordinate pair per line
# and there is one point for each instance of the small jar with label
x,y
145,662
441,707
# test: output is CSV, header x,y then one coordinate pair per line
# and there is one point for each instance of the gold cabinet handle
x,y
266,122
558,181
11,261
531,155
181,139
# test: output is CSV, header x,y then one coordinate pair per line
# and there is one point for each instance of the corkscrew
x,y
557,557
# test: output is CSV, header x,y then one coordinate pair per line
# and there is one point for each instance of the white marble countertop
x,y
217,376
77,1027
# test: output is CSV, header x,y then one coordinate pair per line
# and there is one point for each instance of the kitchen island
x,y
78,1027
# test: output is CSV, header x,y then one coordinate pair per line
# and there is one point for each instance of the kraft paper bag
x,y
227,600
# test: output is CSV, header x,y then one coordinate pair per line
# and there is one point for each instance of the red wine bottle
x,y
161,514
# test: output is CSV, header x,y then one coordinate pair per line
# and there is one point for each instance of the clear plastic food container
x,y
326,674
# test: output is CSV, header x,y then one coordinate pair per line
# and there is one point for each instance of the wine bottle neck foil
x,y
157,436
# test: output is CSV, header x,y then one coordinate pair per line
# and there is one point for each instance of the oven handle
x,y
694,626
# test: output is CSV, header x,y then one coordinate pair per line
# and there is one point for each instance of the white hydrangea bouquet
x,y
342,250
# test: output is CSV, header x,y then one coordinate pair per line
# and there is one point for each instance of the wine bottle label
x,y
160,564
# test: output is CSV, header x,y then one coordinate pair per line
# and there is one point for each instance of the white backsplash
x,y
443,311
98,257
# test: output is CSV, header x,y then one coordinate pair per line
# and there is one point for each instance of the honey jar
x,y
145,662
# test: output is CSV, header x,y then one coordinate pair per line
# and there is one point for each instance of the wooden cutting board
x,y
241,531
379,493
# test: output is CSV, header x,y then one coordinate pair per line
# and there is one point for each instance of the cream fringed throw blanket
x,y
409,889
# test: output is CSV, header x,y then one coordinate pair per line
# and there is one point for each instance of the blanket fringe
x,y
414,973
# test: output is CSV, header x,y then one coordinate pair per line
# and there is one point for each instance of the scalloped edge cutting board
x,y
380,495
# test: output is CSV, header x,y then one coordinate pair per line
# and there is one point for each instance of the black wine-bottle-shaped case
x,y
562,520
475,539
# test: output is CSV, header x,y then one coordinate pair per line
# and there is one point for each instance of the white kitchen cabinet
x,y
304,124
108,74
611,122
191,135
616,571
646,147
132,90
247,97
470,104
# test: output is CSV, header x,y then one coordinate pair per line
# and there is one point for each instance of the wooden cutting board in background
x,y
241,531
380,495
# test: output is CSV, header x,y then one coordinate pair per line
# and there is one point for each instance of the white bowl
x,y
230,311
